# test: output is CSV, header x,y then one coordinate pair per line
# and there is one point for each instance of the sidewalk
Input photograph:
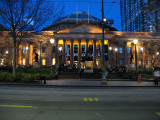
x,y
90,83
87,83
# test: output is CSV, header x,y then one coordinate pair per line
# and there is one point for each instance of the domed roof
x,y
80,16
75,18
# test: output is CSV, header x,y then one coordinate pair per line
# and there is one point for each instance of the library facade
x,y
81,46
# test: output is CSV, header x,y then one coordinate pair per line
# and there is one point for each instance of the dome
x,y
75,18
78,15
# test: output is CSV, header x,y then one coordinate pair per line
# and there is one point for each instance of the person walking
x,y
80,74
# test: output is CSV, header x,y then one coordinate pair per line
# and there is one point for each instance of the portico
x,y
84,53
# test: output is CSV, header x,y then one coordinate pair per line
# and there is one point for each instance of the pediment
x,y
82,28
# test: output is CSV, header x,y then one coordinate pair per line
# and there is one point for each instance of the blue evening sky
x,y
111,10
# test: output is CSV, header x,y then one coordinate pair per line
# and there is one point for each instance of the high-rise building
x,y
140,15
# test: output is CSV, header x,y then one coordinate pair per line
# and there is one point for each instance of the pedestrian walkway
x,y
76,82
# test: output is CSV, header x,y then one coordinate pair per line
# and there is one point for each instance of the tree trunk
x,y
14,52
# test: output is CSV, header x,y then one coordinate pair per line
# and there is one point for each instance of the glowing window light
x,y
43,61
53,61
24,62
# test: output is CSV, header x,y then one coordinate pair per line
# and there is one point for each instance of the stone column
x,y
64,51
56,53
79,56
17,54
125,54
28,53
71,53
87,49
94,65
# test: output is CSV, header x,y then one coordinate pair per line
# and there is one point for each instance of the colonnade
x,y
79,43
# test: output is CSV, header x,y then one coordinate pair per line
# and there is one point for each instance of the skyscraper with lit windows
x,y
140,15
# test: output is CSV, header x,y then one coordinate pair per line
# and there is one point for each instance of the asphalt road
x,y
82,103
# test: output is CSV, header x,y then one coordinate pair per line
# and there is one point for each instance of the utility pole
x,y
103,57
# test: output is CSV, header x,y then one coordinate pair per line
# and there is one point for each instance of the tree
x,y
23,15
152,52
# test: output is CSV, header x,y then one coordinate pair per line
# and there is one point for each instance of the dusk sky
x,y
111,10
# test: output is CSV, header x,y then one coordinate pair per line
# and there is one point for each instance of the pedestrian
x,y
106,73
156,82
80,74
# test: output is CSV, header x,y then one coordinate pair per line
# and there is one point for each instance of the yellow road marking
x,y
85,99
96,99
158,113
90,99
17,106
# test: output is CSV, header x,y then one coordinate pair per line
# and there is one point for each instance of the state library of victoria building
x,y
77,41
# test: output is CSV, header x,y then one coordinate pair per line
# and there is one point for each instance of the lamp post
x,y
110,48
135,43
103,57
51,41
116,49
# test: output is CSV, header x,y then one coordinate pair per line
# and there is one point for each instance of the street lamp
x,y
110,64
116,49
7,52
103,57
157,53
110,48
135,43
51,41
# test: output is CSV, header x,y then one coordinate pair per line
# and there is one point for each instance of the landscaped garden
x,y
24,74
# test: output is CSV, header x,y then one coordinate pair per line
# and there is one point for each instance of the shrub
x,y
27,78
5,76
19,77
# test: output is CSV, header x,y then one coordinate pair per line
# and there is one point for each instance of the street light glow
x,y
60,48
104,19
7,52
27,48
141,49
116,49
52,41
110,48
135,41
157,53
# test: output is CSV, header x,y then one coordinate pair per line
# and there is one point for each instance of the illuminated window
x,y
24,62
43,61
24,50
121,50
129,50
2,62
53,61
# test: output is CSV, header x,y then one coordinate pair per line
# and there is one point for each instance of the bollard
x,y
139,78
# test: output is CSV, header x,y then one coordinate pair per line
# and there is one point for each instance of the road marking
x,y
158,113
17,106
85,99
96,99
91,99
